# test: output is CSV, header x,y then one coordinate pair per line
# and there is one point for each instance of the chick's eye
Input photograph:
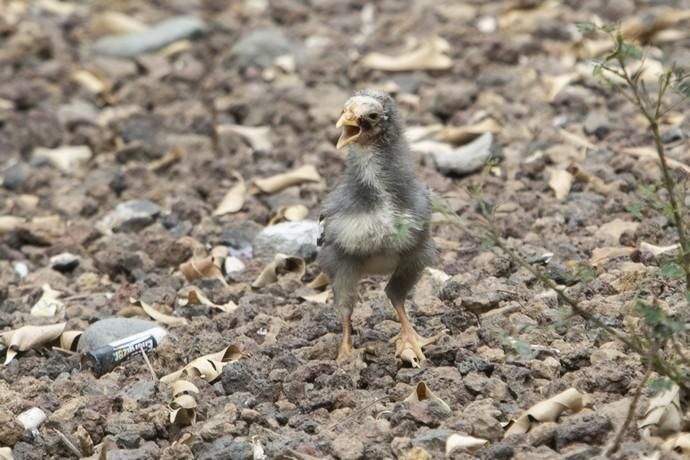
x,y
373,116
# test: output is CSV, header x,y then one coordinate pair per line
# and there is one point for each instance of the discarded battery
x,y
105,358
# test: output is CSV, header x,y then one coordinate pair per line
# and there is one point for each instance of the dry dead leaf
x,y
49,305
558,83
69,340
321,297
461,441
419,133
463,134
195,269
576,140
233,200
289,213
195,296
183,405
208,367
273,184
173,155
257,136
157,315
321,281
592,182
85,442
423,393
280,265
28,337
560,182
601,255
650,152
663,416
679,442
643,29
67,158
114,23
616,228
90,82
547,411
430,55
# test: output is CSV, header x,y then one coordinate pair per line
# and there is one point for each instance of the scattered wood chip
x,y
656,251
292,213
233,201
280,265
430,55
547,411
560,182
460,441
576,140
183,405
49,305
601,255
273,184
206,267
664,415
321,297
171,157
10,223
195,296
257,136
423,393
208,367
28,337
90,82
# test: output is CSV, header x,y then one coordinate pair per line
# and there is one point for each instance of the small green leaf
x,y
672,270
586,27
635,208
658,385
630,51
682,86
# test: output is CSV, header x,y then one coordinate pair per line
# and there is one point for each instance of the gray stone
x,y
227,448
468,158
150,39
597,123
672,135
587,428
11,431
233,265
432,440
130,216
261,47
110,329
13,178
286,238
64,262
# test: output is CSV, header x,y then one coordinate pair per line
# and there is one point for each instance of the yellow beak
x,y
351,129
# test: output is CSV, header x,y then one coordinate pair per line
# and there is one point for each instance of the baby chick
x,y
376,220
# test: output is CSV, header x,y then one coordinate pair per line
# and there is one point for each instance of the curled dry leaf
x,y
273,184
650,152
69,340
114,23
183,405
657,251
173,155
257,136
207,367
663,416
601,255
460,441
576,140
592,182
280,265
560,182
290,213
423,393
195,297
679,442
321,297
614,229
463,134
49,305
195,269
28,337
547,411
320,282
430,55
234,199
157,315
558,83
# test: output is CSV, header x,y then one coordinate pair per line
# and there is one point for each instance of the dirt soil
x,y
151,125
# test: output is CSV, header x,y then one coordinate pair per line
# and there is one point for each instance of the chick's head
x,y
368,118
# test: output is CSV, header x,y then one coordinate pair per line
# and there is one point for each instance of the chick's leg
x,y
345,349
409,344
345,293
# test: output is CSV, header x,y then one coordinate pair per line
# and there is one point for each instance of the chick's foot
x,y
409,345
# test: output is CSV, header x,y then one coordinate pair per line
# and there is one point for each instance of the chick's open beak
x,y
351,129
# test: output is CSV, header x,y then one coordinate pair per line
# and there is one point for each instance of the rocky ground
x,y
120,154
